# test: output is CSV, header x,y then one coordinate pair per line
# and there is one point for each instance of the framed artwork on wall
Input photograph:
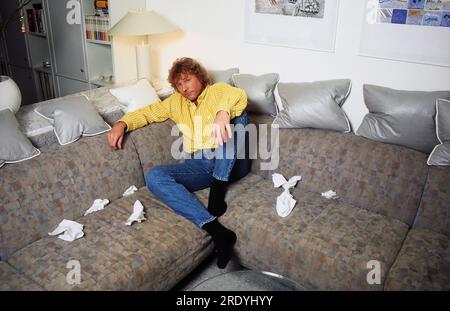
x,y
305,24
415,31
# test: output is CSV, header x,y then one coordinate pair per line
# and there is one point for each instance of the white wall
x,y
213,33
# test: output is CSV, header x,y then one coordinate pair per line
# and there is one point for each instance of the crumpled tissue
x,y
98,205
285,201
71,229
130,191
138,213
330,194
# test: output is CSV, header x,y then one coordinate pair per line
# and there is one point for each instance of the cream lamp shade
x,y
142,23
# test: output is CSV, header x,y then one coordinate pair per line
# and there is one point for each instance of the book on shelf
x,y
35,19
101,7
31,20
97,27
40,21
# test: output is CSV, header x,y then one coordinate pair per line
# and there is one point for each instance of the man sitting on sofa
x,y
197,105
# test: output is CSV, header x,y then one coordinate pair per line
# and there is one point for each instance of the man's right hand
x,y
115,136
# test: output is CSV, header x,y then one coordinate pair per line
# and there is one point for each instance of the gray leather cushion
x,y
441,153
14,145
259,91
72,118
314,104
224,76
403,118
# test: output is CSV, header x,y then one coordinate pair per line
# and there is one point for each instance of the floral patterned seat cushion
x,y
62,183
434,210
13,280
382,178
323,244
422,264
154,254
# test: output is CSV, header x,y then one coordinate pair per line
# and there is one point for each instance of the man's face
x,y
189,86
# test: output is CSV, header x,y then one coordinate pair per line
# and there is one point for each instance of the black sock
x,y
224,240
216,202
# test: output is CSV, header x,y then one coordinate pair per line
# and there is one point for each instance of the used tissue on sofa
x,y
330,194
130,191
71,229
98,205
137,215
285,201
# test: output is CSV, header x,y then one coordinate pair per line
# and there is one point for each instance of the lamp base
x,y
144,61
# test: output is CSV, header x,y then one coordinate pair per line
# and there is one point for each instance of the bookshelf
x,y
39,34
34,14
98,43
39,49
103,53
72,57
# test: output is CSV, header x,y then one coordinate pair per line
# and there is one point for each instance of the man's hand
x,y
221,127
115,136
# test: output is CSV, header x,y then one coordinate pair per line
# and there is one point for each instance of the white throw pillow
x,y
135,96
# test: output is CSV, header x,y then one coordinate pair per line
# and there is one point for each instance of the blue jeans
x,y
174,184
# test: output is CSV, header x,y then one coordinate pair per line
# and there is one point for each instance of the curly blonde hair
x,y
188,66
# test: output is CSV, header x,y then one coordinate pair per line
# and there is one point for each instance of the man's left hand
x,y
221,128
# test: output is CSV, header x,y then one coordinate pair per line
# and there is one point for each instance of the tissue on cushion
x,y
314,104
135,96
441,153
260,91
14,145
403,118
72,118
224,76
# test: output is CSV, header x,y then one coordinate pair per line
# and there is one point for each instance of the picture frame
x,y
288,26
411,43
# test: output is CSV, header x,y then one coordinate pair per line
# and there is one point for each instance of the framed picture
x,y
415,31
305,24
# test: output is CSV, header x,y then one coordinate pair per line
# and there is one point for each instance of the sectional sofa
x,y
392,216
388,230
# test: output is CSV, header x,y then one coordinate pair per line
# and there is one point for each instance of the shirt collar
x,y
202,95
200,98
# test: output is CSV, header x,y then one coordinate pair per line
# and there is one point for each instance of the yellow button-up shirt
x,y
194,121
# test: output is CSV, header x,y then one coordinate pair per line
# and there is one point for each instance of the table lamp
x,y
142,23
